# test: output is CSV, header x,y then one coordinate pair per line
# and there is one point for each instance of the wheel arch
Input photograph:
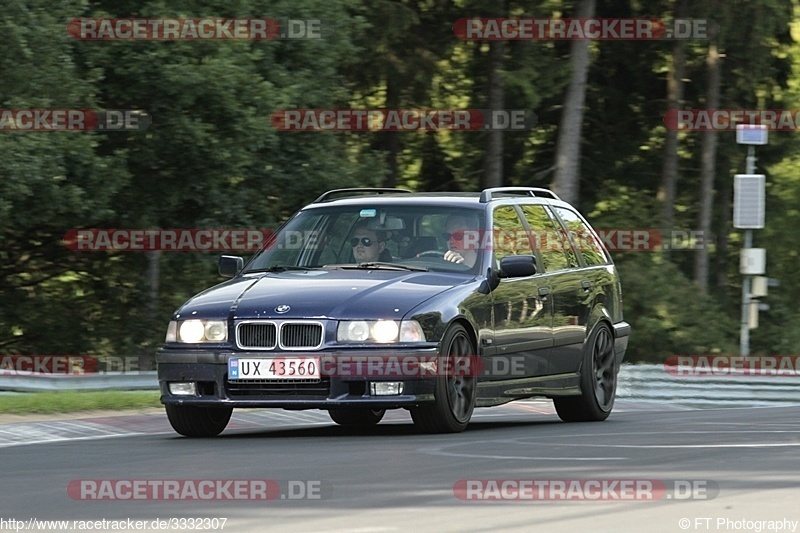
x,y
468,326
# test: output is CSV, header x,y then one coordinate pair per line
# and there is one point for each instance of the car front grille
x,y
257,335
290,335
301,335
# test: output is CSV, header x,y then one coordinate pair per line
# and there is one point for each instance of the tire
x,y
359,417
454,395
598,381
192,421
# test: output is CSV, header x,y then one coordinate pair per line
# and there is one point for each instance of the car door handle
x,y
586,285
544,292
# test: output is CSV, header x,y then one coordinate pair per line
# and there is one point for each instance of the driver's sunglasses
x,y
366,241
457,235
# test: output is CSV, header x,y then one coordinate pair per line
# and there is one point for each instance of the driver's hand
x,y
455,257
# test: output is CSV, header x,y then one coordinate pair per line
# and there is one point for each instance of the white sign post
x,y
748,214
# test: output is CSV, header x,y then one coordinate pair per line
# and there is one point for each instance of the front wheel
x,y
455,390
357,417
598,381
193,421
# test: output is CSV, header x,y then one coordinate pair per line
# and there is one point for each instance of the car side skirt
x,y
491,393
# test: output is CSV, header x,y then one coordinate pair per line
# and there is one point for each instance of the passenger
x,y
367,244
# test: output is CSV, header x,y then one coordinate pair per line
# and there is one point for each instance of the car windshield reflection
x,y
402,238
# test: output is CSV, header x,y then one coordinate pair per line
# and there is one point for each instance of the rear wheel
x,y
193,421
356,417
598,381
455,390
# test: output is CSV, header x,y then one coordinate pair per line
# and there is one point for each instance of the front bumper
x,y
622,331
209,371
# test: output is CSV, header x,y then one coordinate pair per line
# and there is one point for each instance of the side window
x,y
583,238
556,253
508,234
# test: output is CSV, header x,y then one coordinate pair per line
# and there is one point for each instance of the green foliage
x,y
211,158
668,314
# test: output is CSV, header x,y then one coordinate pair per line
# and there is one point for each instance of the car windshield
x,y
399,237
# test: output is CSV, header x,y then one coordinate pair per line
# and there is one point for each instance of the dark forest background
x,y
211,159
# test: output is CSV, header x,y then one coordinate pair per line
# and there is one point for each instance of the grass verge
x,y
71,401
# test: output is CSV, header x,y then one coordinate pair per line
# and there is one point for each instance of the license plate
x,y
274,368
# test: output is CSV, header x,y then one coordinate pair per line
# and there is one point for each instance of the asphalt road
x,y
646,468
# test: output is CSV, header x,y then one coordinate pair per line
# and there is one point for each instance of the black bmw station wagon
x,y
376,299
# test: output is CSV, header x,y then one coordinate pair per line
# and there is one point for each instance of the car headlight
x,y
380,331
195,331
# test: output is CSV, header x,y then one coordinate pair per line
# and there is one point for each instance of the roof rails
x,y
357,191
486,195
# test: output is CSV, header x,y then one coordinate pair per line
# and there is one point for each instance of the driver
x,y
367,244
455,226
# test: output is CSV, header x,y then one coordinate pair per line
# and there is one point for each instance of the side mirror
x,y
491,282
517,266
230,265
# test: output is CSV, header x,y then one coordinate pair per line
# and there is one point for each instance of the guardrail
x,y
654,383
636,382
33,382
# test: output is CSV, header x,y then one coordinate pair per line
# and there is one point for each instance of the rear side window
x,y
508,233
556,252
582,238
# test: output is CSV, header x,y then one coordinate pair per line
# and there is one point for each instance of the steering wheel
x,y
431,253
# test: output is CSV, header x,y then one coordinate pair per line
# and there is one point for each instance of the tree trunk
x,y
391,139
708,155
493,164
566,182
669,171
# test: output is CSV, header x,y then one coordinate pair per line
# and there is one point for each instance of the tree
x,y
708,155
566,182
669,172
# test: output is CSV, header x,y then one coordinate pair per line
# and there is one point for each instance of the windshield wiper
x,y
380,265
280,268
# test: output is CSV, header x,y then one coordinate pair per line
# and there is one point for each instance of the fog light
x,y
386,388
183,388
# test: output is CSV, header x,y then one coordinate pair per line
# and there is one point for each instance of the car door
x,y
559,265
521,307
582,286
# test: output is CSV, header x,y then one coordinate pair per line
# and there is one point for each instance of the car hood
x,y
338,294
